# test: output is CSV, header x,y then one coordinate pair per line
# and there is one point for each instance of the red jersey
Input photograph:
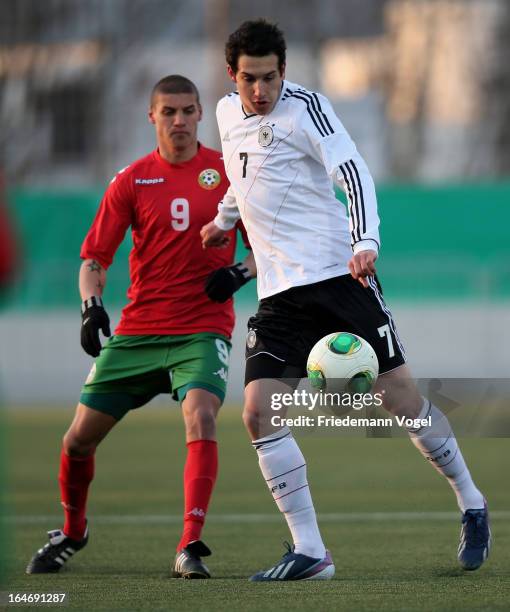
x,y
166,205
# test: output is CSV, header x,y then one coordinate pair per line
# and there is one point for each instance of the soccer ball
x,y
342,363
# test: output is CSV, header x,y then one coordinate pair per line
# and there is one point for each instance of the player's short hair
x,y
174,84
256,38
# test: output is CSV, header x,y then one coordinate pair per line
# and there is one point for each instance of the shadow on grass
x,y
449,572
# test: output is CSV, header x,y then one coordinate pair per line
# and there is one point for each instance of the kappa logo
x,y
226,137
222,373
68,507
197,512
151,181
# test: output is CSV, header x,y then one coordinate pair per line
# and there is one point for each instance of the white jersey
x,y
281,167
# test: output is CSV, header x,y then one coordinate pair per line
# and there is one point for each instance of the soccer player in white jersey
x,y
283,148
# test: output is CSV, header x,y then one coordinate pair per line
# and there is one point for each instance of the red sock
x,y
76,473
200,474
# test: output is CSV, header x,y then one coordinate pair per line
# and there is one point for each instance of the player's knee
x,y
203,412
251,420
403,399
74,446
200,420
206,416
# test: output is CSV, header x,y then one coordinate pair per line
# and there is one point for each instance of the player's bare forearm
x,y
249,262
362,265
92,279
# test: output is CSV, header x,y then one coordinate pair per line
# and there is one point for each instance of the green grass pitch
x,y
405,560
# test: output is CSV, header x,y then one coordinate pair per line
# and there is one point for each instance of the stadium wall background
x,y
445,269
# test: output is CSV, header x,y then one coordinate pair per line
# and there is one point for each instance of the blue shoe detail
x,y
294,566
475,538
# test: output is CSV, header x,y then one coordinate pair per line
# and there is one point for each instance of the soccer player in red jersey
x,y
173,336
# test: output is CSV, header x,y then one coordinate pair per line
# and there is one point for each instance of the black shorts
x,y
288,324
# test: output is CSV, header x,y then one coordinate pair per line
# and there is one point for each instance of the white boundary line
x,y
335,517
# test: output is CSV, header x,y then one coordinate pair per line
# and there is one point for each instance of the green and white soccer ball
x,y
342,362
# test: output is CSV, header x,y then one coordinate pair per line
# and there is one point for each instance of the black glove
x,y
94,318
221,284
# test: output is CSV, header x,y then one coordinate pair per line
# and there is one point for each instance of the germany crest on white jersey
x,y
281,167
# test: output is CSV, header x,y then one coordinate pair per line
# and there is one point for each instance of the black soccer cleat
x,y
294,566
52,556
475,538
188,563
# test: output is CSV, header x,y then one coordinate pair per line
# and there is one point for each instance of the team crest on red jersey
x,y
209,178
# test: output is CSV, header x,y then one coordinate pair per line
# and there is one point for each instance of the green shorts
x,y
131,370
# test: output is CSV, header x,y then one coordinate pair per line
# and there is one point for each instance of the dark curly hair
x,y
256,38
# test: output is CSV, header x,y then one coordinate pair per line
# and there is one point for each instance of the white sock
x,y
437,443
284,468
